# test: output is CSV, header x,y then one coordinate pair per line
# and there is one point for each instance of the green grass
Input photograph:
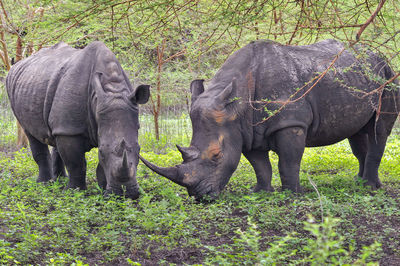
x,y
49,225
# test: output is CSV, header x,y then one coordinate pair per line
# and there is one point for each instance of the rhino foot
x,y
373,184
42,179
77,186
259,188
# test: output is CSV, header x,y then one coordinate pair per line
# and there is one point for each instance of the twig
x,y
319,196
371,18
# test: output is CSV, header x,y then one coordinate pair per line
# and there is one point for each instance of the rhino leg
x,y
377,136
71,149
101,177
58,167
262,167
359,146
289,145
41,155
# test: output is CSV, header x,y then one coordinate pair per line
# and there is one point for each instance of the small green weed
x,y
44,223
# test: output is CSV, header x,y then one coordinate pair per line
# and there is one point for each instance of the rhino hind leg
x,y
262,167
289,145
377,136
72,152
58,166
41,155
359,147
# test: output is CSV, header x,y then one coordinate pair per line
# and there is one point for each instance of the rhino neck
x,y
245,91
92,122
247,128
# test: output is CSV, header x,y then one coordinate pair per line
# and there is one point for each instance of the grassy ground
x,y
341,223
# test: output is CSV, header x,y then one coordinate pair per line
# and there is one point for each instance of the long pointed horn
x,y
172,173
124,161
123,172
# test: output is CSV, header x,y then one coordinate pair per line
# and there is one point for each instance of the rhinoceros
x,y
269,96
74,100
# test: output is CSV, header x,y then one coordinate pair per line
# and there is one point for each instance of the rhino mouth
x,y
130,191
203,192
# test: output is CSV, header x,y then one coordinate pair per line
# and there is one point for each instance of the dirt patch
x,y
8,150
389,261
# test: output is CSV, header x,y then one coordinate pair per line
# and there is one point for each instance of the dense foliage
x,y
176,41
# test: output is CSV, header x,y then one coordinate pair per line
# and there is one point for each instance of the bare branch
x,y
371,18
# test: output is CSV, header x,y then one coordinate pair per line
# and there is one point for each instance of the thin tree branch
x,y
371,18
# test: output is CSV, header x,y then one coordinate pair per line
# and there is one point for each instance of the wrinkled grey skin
x,y
75,100
228,121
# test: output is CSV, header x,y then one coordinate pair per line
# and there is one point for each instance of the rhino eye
x,y
216,156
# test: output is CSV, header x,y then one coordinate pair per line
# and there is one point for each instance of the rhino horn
x,y
123,173
188,154
124,161
172,173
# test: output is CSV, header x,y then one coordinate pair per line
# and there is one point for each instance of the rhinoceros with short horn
x,y
75,100
266,97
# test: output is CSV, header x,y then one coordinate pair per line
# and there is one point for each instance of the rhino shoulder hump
x,y
59,45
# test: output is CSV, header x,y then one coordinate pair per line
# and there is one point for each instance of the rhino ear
x,y
196,88
96,84
141,94
224,96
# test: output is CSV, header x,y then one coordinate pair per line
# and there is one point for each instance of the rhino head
x,y
216,144
116,116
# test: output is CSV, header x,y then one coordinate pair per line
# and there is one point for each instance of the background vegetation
x,y
167,44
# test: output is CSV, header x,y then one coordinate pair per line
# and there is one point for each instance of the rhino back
x,y
31,84
337,106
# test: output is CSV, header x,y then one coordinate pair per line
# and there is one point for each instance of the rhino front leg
x,y
72,151
101,177
58,167
289,145
262,166
41,155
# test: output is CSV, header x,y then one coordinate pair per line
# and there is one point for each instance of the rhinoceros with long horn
x,y
269,96
75,100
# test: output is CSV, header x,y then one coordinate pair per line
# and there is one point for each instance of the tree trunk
x,y
156,127
22,140
157,104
